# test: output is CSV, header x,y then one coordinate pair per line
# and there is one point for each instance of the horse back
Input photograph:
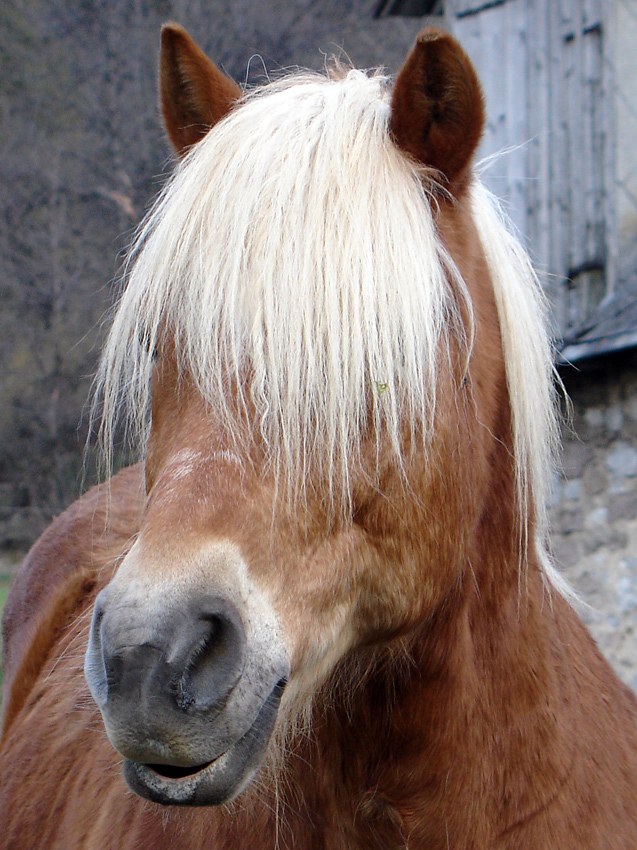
x,y
67,563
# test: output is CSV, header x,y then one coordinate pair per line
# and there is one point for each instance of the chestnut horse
x,y
321,613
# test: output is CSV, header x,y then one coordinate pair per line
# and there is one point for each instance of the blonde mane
x,y
258,257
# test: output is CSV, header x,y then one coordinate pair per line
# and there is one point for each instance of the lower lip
x,y
217,781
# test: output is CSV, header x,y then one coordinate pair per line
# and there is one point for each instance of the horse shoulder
x,y
60,569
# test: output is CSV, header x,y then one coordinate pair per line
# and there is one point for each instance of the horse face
x,y
227,609
236,602
234,605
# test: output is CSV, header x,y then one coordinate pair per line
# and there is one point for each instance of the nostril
x,y
98,613
113,667
214,663
95,671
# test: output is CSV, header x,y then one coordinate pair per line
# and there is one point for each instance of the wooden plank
x,y
592,84
569,13
515,20
494,48
464,8
583,92
609,146
558,200
538,160
591,14
576,162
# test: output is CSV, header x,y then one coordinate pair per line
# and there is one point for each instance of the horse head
x,y
310,342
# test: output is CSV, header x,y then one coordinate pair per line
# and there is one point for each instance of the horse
x,y
321,611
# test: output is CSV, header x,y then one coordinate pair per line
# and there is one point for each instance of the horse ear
x,y
437,110
194,92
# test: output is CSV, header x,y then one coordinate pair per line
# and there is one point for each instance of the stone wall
x,y
594,504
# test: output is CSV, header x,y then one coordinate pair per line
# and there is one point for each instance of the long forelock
x,y
295,244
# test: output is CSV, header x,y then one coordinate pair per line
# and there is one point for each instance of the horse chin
x,y
216,782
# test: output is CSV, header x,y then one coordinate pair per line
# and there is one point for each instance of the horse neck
x,y
440,741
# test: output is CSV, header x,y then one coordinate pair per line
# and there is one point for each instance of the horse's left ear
x,y
437,109
194,92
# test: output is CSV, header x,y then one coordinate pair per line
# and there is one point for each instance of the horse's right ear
x,y
437,109
194,92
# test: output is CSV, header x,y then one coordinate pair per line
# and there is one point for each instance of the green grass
x,y
5,584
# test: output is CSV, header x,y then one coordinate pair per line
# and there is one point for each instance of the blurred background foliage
x,y
82,154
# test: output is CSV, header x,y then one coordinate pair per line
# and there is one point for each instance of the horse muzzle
x,y
189,691
213,783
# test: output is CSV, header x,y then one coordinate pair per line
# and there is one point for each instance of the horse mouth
x,y
170,771
214,782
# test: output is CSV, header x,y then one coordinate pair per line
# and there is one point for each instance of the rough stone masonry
x,y
594,505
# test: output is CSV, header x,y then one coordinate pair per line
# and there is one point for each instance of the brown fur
x,y
439,110
57,571
194,93
470,712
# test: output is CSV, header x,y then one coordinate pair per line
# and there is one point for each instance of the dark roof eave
x,y
578,351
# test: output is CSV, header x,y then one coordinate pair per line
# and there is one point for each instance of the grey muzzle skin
x,y
189,698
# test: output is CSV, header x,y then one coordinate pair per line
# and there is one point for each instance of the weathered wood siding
x,y
546,67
